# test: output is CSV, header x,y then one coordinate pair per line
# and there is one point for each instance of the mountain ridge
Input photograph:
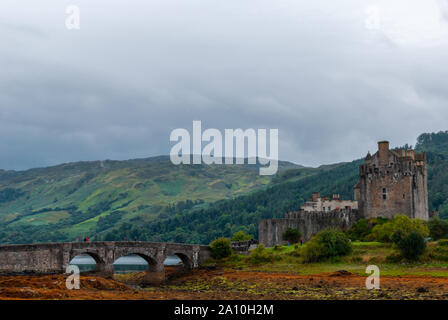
x,y
76,198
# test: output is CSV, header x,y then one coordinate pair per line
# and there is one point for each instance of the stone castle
x,y
391,182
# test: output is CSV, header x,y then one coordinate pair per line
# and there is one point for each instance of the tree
x,y
326,244
401,225
220,248
437,228
360,230
291,235
241,236
412,246
261,255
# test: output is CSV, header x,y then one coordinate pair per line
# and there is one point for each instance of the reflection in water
x,y
126,264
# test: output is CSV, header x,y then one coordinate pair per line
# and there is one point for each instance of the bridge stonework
x,y
55,257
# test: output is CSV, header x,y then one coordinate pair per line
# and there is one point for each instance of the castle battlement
x,y
300,214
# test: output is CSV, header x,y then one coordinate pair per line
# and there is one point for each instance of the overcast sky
x,y
333,76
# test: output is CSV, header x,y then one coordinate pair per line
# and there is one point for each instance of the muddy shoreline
x,y
219,284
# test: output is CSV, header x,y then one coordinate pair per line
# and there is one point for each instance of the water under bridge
x,y
55,257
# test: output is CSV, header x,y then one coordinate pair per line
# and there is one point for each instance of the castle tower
x,y
393,182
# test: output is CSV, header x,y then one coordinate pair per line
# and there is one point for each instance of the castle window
x,y
384,194
404,196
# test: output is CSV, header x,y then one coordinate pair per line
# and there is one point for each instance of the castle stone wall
x,y
309,223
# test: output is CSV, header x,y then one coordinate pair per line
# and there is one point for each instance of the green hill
x,y
65,201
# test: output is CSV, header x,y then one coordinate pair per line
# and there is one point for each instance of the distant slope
x,y
68,200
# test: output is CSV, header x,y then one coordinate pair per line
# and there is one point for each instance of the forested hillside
x,y
436,147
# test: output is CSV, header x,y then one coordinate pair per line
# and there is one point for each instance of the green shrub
x,y
295,253
241,236
291,235
437,228
221,248
337,243
438,253
314,251
397,236
261,255
356,259
236,258
360,230
326,244
401,225
442,242
412,246
370,238
394,258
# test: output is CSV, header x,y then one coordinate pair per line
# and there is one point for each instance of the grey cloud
x,y
21,29
134,72
443,4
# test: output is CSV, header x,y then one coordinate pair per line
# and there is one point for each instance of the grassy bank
x,y
287,259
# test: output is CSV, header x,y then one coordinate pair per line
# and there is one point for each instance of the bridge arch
x,y
99,261
186,260
155,272
152,262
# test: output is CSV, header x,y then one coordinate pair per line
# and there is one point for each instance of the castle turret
x,y
383,152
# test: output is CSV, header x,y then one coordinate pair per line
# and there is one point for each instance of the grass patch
x,y
368,244
287,259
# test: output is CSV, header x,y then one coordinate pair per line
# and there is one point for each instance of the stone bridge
x,y
55,257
